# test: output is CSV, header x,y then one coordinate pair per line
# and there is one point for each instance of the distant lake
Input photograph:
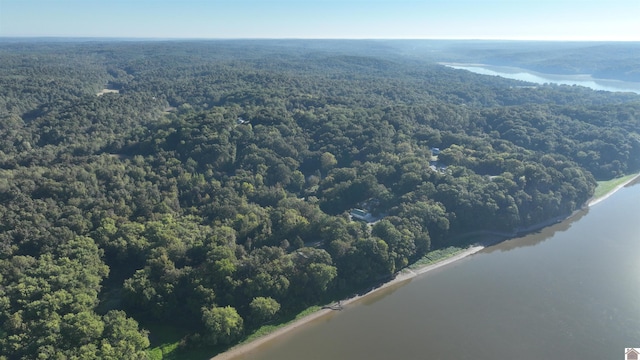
x,y
570,291
540,78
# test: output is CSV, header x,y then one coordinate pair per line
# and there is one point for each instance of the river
x,y
540,78
570,291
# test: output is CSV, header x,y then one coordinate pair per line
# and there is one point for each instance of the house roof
x,y
359,212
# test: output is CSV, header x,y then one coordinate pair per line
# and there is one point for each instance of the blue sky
x,y
381,19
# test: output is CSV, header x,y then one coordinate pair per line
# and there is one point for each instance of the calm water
x,y
539,78
571,291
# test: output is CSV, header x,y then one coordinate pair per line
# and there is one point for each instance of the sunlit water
x,y
538,78
571,291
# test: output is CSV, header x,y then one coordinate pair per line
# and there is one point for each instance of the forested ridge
x,y
210,190
600,60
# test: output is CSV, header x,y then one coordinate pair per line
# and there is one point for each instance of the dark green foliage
x,y
263,309
222,325
212,192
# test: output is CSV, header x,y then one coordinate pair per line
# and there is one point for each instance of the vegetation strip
x,y
607,188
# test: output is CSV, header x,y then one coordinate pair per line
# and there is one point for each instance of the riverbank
x,y
535,77
404,275
616,186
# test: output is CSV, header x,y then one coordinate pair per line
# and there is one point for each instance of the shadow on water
x,y
536,237
381,294
556,302
636,181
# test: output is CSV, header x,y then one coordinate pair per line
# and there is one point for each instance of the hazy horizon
x,y
134,38
502,20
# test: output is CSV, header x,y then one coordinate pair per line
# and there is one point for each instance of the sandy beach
x,y
595,201
402,276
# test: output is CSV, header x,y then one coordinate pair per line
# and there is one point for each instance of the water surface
x,y
540,78
571,291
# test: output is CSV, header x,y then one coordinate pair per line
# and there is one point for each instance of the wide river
x,y
540,78
571,291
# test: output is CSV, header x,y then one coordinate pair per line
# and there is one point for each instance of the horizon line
x,y
134,38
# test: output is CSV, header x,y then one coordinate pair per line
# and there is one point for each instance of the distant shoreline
x,y
404,275
515,72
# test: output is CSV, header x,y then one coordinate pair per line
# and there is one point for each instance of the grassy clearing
x,y
605,187
165,343
435,256
172,351
267,329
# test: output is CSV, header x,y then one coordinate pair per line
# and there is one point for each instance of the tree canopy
x,y
211,188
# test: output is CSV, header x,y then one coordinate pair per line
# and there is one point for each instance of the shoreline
x,y
402,276
595,201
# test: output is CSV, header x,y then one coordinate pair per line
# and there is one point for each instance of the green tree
x,y
263,309
121,338
327,161
223,324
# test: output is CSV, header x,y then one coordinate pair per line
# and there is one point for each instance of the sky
x,y
600,20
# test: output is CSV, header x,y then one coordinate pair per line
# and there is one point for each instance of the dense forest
x,y
209,185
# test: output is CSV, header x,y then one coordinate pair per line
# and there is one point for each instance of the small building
x,y
435,151
359,214
631,354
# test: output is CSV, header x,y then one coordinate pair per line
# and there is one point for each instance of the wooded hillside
x,y
210,190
